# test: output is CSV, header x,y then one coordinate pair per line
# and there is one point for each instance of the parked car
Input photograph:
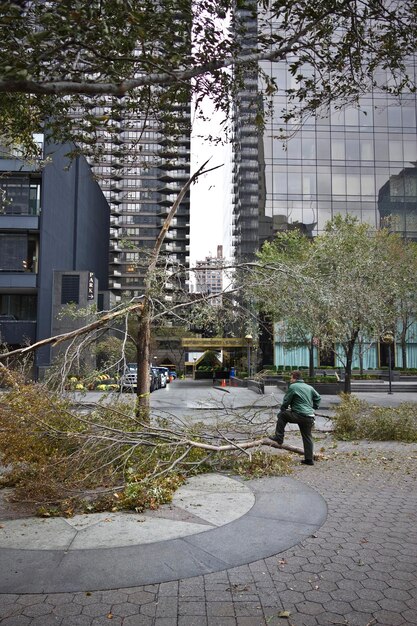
x,y
129,378
164,371
155,379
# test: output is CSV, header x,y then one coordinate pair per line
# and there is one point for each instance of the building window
x,y
19,196
70,289
20,307
18,253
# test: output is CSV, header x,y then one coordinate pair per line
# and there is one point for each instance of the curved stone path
x,y
215,522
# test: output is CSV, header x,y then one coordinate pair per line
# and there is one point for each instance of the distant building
x,y
140,192
209,276
141,170
54,247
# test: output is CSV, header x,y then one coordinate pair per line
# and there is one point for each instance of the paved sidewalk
x,y
357,567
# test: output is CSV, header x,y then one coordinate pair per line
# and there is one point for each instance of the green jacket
x,y
302,398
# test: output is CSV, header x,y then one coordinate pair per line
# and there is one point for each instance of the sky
x,y
210,196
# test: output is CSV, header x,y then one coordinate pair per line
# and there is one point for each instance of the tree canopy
x,y
73,66
342,286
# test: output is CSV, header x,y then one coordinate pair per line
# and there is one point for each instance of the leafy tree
x,y
341,286
74,67
285,268
403,256
354,270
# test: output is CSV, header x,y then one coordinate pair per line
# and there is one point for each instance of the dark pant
x,y
305,424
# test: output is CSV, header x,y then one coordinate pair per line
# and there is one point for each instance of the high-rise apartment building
x,y
209,276
141,172
141,175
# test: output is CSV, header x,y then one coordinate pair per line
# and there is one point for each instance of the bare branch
x,y
57,339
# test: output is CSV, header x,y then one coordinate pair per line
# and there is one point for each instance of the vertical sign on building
x,y
90,292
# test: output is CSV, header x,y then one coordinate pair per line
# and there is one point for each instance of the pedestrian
x,y
298,408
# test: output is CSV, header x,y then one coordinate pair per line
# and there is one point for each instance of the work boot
x,y
276,439
307,462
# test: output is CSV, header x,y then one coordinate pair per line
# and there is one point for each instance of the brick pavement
x,y
358,569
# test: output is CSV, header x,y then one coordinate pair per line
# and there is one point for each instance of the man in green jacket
x,y
302,399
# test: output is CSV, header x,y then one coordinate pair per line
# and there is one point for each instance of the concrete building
x,y
209,276
54,247
141,176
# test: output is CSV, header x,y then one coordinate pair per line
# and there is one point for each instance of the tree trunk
x,y
349,360
144,328
361,356
404,349
311,358
142,358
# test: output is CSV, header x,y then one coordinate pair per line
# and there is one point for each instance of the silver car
x,y
129,379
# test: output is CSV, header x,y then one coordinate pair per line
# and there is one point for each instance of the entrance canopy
x,y
213,343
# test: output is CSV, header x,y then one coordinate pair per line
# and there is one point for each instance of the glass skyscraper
x,y
360,160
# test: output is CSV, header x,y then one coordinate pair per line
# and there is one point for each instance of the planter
x,y
329,389
324,389
206,375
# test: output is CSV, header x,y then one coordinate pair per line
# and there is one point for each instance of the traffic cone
x,y
223,382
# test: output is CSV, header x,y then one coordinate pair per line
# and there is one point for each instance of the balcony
x,y
19,222
18,280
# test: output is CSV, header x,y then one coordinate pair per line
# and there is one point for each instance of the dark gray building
x,y
54,246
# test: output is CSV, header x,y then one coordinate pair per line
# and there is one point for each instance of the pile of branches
x,y
103,456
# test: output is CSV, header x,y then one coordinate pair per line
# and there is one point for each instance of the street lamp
x,y
249,339
389,339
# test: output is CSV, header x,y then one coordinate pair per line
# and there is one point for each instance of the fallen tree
x,y
63,456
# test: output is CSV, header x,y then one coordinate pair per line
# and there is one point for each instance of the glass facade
x,y
359,160
19,195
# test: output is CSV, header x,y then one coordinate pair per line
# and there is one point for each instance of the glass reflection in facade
x,y
358,160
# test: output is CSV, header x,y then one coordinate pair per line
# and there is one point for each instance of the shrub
x,y
356,419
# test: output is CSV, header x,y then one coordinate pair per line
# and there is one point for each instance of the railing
x,y
249,383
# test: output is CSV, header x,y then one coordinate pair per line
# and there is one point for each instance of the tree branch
x,y
74,333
